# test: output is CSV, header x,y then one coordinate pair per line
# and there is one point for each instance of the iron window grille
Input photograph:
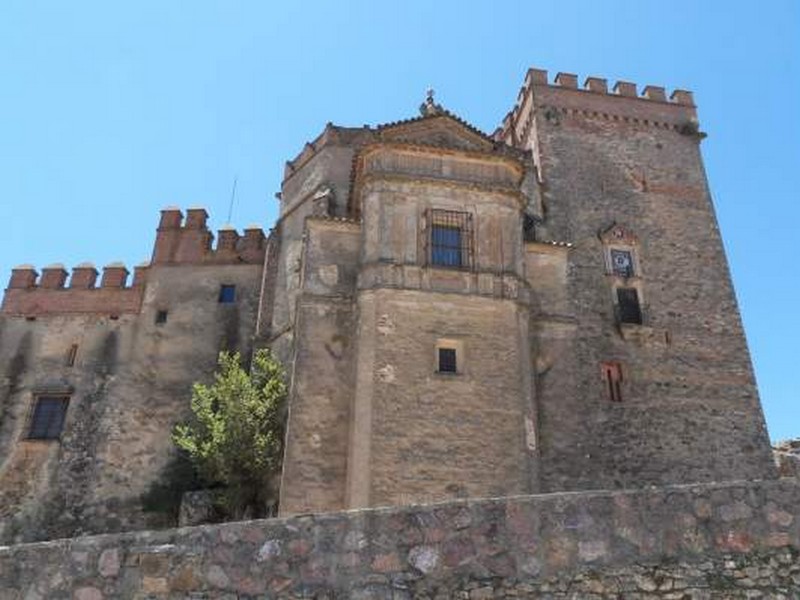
x,y
48,416
451,239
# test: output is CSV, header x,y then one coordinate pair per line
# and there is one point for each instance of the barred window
x,y
450,238
48,417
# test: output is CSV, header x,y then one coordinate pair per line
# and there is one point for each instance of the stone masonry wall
x,y
128,377
732,540
690,408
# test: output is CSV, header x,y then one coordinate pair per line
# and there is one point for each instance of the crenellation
x,y
535,77
115,275
140,274
53,277
654,92
196,218
192,243
625,88
598,85
84,276
23,277
227,238
682,97
567,80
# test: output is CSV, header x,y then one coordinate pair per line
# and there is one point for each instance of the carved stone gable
x,y
439,130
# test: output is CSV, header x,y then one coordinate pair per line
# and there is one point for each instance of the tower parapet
x,y
653,108
191,242
29,294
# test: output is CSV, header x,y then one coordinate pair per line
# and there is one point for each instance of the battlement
x,y
621,101
58,292
178,242
190,241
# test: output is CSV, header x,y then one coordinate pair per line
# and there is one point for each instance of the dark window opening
x,y
446,246
161,317
628,306
622,263
48,418
612,377
451,238
447,360
71,355
227,294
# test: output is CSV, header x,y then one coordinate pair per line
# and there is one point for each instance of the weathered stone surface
x,y
553,392
516,547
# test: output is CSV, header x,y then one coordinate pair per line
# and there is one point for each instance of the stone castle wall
x,y
732,540
690,409
128,377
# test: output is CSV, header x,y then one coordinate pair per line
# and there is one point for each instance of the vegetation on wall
x,y
235,437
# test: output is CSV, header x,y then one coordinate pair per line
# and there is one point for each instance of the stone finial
x,y
429,108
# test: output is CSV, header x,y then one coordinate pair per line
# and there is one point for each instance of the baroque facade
x,y
547,308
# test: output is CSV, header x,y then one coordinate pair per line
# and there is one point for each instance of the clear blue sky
x,y
111,110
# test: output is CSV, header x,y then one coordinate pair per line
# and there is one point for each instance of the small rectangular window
x,y
48,417
629,310
161,317
612,378
227,294
450,238
71,355
447,360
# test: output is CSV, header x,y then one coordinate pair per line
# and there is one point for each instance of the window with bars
x,y
612,378
48,416
628,308
450,242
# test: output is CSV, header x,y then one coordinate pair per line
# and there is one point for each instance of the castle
x,y
547,308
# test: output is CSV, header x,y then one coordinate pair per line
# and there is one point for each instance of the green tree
x,y
235,438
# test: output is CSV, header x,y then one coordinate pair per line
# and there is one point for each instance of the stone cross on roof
x,y
429,107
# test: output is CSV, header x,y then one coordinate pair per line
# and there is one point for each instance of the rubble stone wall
x,y
732,540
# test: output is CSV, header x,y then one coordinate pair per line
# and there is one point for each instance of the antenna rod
x,y
233,197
